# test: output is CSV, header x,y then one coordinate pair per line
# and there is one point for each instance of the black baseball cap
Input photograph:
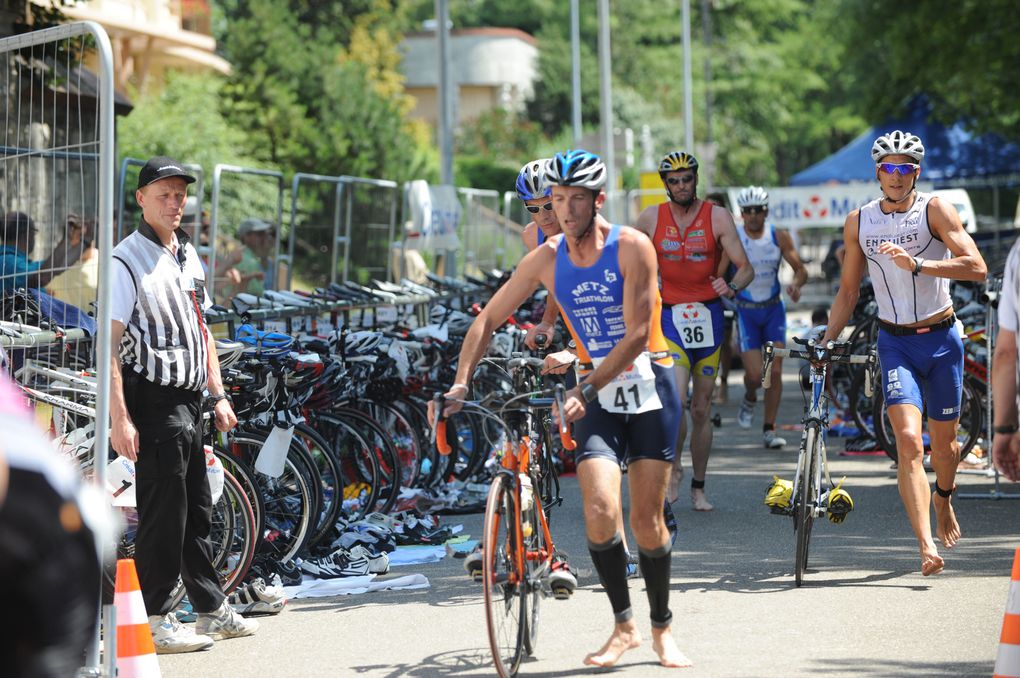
x,y
162,167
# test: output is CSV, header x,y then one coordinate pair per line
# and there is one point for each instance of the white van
x,y
960,199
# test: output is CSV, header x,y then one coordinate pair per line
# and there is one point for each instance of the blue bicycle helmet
x,y
531,183
577,168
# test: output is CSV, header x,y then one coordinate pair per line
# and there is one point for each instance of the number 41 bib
x,y
633,391
694,323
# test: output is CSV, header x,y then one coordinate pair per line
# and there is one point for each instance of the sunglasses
x,y
673,181
534,209
903,168
752,210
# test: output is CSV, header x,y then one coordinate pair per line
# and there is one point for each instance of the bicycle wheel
x,y
233,535
970,427
534,542
502,582
803,511
862,406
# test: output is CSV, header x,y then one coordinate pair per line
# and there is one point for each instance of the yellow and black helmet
x,y
677,160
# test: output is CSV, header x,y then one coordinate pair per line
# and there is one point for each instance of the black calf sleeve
x,y
655,566
610,561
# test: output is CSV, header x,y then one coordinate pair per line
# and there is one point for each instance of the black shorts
x,y
629,437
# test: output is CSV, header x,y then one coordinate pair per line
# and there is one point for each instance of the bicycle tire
x,y
233,537
327,465
406,442
971,423
502,584
803,513
388,485
535,542
415,410
862,407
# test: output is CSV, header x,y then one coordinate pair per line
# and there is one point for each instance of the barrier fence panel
x,y
482,230
240,194
315,214
127,213
516,218
56,186
367,229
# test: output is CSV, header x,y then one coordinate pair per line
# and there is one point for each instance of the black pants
x,y
174,501
50,572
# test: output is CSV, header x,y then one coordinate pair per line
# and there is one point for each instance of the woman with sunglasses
x,y
690,236
914,244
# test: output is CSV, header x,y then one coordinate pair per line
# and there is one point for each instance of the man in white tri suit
x,y
914,244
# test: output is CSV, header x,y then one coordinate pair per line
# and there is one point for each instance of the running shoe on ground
x,y
771,441
224,623
255,597
561,580
378,561
473,563
779,493
172,637
745,415
340,563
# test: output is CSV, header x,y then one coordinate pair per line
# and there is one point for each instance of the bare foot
x,y
946,527
675,478
699,500
625,637
665,646
931,561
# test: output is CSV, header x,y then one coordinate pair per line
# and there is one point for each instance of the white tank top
x,y
903,298
765,257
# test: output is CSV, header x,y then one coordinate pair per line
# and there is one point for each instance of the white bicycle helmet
x,y
897,143
577,168
753,196
531,183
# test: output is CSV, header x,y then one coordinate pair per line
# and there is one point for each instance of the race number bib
x,y
694,323
633,391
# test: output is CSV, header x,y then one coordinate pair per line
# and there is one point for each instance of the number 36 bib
x,y
633,391
694,323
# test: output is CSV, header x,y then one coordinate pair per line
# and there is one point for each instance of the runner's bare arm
x,y
726,232
966,262
646,220
789,251
640,286
1004,388
850,280
530,236
123,434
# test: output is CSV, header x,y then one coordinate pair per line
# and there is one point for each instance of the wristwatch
x,y
588,392
218,397
732,286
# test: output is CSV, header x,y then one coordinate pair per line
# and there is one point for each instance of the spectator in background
x,y
1006,439
258,237
78,284
16,269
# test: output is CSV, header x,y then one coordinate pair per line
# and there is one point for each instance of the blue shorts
x,y
703,362
629,437
931,362
759,325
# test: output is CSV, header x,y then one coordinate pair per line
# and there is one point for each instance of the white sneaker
x,y
225,623
378,563
256,597
745,415
772,441
171,636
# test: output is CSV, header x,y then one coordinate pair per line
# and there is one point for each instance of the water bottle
x,y
527,503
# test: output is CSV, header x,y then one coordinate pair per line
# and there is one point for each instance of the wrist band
x,y
463,386
918,262
218,397
1008,428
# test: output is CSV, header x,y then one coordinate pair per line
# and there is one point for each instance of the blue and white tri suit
x,y
761,314
919,365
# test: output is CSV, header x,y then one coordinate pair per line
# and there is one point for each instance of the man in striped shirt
x,y
165,359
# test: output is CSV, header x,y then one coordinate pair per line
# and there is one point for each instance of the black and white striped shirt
x,y
159,297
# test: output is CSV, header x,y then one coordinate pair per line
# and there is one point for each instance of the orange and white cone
x,y
136,655
1007,663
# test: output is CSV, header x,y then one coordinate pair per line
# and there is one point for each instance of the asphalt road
x,y
865,610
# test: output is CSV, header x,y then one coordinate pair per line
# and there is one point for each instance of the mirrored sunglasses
x,y
673,181
534,209
903,168
752,210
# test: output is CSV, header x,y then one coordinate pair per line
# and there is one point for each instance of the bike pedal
x,y
476,576
562,592
776,510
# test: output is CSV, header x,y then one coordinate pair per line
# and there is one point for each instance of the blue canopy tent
x,y
953,156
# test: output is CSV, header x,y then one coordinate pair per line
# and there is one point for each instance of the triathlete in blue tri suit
x,y
914,244
761,313
626,406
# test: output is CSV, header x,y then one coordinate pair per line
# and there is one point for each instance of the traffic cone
x,y
136,655
1007,663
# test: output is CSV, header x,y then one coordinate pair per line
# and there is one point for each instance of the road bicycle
x,y
518,553
812,493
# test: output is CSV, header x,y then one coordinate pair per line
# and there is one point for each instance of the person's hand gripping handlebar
x,y
568,442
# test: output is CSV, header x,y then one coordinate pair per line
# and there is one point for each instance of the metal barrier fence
x,y
127,213
482,231
247,197
57,184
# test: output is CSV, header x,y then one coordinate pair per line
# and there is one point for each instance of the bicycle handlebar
x,y
439,426
566,439
818,354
